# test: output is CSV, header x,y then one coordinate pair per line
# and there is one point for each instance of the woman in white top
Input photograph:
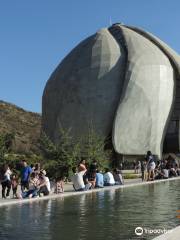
x,y
6,181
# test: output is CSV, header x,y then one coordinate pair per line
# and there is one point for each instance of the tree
x,y
67,153
48,148
94,148
60,157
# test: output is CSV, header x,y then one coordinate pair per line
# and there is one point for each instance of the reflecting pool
x,y
105,215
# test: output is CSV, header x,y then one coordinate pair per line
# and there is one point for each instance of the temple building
x,y
126,82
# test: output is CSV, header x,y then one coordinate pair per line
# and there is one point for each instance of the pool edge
x,y
73,193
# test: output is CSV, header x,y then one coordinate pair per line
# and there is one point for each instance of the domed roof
x,y
122,80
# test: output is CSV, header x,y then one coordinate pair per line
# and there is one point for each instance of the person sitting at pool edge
x,y
44,184
118,177
108,178
90,177
77,179
82,166
99,179
88,185
33,188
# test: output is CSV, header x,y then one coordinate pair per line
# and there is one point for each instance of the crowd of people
x,y
34,182
161,169
92,177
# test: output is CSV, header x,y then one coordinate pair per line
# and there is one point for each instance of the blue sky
x,y
36,35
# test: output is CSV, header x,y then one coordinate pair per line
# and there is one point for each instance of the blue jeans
x,y
26,194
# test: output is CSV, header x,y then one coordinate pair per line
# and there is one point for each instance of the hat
x,y
43,172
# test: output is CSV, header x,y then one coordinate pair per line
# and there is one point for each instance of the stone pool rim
x,y
73,193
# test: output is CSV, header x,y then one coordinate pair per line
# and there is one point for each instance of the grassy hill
x,y
24,125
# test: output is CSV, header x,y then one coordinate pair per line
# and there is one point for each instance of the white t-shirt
x,y
108,178
166,173
77,180
7,175
47,183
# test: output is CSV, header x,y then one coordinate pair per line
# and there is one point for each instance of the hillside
x,y
23,124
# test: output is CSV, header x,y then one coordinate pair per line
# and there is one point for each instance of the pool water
x,y
105,215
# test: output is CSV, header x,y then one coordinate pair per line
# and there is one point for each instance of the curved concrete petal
x,y
85,88
146,102
172,139
164,47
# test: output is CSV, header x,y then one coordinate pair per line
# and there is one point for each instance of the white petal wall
x,y
144,108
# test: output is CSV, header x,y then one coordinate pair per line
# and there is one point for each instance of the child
x,y
14,183
59,185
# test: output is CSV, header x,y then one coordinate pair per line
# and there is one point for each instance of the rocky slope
x,y
24,125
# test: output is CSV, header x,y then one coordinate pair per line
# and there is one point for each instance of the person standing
x,y
6,181
37,168
59,185
150,165
138,166
25,175
14,183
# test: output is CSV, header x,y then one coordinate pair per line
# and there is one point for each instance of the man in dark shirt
x,y
94,166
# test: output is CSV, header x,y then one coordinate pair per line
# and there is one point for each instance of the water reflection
x,y
112,214
25,221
